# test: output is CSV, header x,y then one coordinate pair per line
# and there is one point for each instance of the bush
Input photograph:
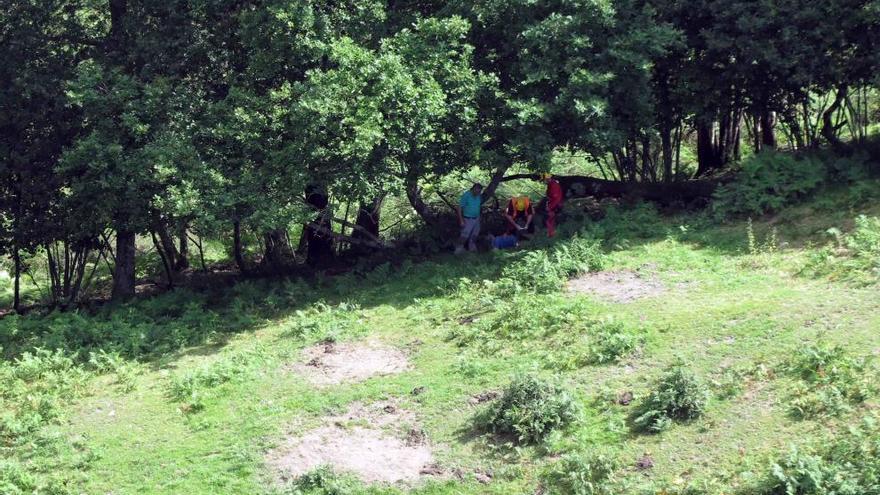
x,y
35,389
194,387
850,466
529,409
14,480
612,340
831,381
854,256
325,321
767,182
677,395
536,271
580,474
541,272
599,342
525,316
325,481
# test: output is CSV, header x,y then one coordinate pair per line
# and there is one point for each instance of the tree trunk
x,y
414,195
166,262
16,284
237,252
829,129
676,193
79,275
706,153
666,145
495,181
166,241
768,129
123,272
182,262
278,252
367,222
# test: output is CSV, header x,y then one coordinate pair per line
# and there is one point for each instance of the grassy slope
x,y
725,309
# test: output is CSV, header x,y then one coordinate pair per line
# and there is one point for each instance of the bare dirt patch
x,y
331,363
620,286
378,443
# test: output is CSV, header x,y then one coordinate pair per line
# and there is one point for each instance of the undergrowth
x,y
853,256
676,396
580,474
850,465
36,388
529,409
194,388
831,381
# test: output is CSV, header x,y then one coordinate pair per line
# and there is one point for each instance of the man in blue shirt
x,y
469,207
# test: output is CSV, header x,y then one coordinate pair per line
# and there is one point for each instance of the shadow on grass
x,y
156,329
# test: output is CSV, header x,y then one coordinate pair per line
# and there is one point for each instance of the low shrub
x,y
831,381
853,257
767,182
623,224
580,474
35,389
522,317
597,342
612,340
325,481
849,466
14,479
529,409
325,321
194,387
543,272
677,395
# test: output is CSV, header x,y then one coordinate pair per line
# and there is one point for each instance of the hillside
x,y
395,373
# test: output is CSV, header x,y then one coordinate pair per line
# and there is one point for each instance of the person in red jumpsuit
x,y
554,202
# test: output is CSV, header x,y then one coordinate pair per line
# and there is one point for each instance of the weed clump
x,y
611,341
324,481
36,388
602,342
831,381
193,388
851,465
542,272
529,409
325,321
678,395
767,182
524,316
853,257
580,474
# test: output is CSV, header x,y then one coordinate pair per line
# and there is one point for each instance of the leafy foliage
x,y
767,182
541,272
831,381
529,409
36,389
677,395
851,465
853,256
324,481
580,474
193,388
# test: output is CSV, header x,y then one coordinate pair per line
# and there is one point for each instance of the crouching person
x,y
519,215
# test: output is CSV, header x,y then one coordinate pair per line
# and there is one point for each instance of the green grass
x,y
196,388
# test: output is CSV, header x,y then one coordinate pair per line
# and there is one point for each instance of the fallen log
x,y
666,194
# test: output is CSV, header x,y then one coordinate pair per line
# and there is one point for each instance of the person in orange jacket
x,y
553,203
